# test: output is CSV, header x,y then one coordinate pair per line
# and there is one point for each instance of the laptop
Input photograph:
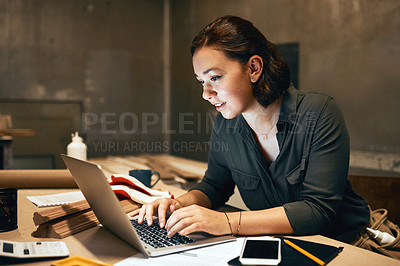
x,y
149,240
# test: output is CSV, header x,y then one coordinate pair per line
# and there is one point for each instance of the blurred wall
x,y
349,49
128,66
108,55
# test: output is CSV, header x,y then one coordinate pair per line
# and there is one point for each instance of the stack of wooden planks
x,y
167,165
66,220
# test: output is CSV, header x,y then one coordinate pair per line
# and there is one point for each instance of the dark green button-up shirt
x,y
309,176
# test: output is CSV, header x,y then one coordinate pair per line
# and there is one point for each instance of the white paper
x,y
215,255
56,199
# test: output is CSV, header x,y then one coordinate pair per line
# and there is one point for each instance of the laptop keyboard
x,y
157,237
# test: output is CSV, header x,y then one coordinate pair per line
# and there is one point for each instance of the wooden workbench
x,y
99,244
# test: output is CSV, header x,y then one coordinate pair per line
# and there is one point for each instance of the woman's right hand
x,y
163,207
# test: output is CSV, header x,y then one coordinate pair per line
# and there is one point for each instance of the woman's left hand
x,y
195,218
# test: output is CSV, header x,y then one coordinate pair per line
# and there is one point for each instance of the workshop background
x,y
119,72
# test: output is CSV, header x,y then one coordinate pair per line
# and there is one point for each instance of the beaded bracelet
x,y
229,222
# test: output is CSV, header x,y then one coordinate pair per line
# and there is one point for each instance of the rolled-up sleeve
x,y
325,176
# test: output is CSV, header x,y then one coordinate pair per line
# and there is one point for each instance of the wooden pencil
x,y
304,252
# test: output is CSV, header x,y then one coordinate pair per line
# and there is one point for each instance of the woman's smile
x,y
219,106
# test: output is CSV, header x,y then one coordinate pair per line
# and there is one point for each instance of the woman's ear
x,y
255,64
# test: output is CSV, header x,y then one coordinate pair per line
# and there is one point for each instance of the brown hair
x,y
240,40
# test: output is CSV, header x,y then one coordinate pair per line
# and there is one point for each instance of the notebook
x,y
105,205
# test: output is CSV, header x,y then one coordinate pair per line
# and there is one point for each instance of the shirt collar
x,y
289,105
287,111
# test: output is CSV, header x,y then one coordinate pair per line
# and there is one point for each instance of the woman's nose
x,y
208,92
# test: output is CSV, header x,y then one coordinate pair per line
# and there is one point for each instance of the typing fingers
x,y
134,212
180,219
142,212
195,218
149,210
162,212
181,226
189,229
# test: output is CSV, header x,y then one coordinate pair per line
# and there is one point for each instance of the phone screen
x,y
260,249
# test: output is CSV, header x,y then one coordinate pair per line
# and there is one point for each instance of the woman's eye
x,y
201,82
215,78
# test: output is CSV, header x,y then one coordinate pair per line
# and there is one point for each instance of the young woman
x,y
288,151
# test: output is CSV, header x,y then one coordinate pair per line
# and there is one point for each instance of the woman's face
x,y
226,82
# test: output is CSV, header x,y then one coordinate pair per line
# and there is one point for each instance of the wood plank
x,y
17,132
51,213
72,223
185,168
160,167
168,166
